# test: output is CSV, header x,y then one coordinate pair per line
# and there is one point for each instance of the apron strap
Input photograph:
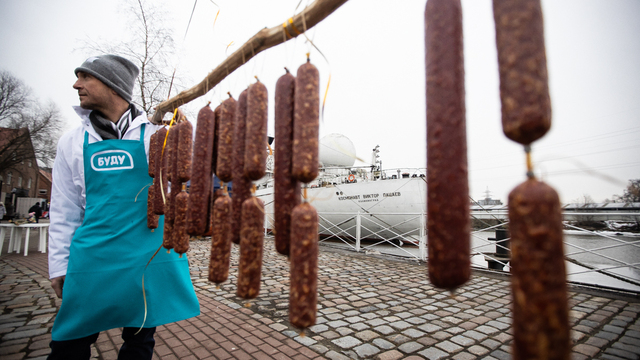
x,y
86,140
142,133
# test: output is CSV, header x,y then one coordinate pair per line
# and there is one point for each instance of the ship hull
x,y
392,209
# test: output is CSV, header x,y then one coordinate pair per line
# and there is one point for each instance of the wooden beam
x,y
262,40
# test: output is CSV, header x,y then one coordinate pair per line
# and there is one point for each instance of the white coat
x,y
68,198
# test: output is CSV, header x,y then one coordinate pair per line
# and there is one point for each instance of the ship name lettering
x,y
350,197
370,196
397,193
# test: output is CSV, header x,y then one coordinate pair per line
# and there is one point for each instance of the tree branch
x,y
262,40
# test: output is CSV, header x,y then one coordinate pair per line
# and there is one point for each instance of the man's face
x,y
93,93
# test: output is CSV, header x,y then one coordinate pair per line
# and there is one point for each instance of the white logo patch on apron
x,y
110,160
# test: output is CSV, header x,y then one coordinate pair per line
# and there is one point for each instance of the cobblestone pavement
x,y
370,307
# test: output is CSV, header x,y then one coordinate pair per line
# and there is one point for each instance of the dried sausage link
x,y
303,295
220,240
152,218
251,241
185,151
241,184
306,122
448,217
180,236
169,216
201,173
286,188
255,144
153,151
225,140
538,283
216,136
522,60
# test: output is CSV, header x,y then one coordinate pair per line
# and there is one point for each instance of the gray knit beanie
x,y
114,71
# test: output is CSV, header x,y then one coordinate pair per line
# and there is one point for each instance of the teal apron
x,y
110,250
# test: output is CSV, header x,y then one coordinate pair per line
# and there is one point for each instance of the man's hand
x,y
56,284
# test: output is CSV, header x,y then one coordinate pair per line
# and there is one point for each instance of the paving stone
x,y
383,344
384,329
462,340
491,344
501,355
347,342
366,335
607,335
390,355
410,347
321,349
336,356
449,347
376,322
366,350
478,350
400,324
413,333
486,330
465,356
429,328
632,348
305,340
343,331
330,334
398,338
586,349
433,354
318,328
337,324
416,320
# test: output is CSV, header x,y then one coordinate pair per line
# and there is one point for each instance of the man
x,y
37,211
101,253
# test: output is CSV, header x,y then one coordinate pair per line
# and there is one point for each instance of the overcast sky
x,y
375,55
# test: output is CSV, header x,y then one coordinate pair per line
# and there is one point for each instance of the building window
x,y
29,163
42,191
19,181
29,184
9,175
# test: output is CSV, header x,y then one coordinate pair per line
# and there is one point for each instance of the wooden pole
x,y
262,40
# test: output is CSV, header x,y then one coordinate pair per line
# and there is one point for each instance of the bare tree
x,y
632,192
15,96
150,46
34,128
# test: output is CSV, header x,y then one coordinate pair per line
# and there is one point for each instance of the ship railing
x,y
371,231
608,252
366,232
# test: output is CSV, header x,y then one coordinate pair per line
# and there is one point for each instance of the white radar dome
x,y
337,150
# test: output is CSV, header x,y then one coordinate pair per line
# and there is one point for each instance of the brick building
x,y
20,175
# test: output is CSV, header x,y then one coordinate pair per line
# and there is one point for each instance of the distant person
x,y
2,211
37,211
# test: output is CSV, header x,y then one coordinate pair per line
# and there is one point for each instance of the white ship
x,y
364,202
